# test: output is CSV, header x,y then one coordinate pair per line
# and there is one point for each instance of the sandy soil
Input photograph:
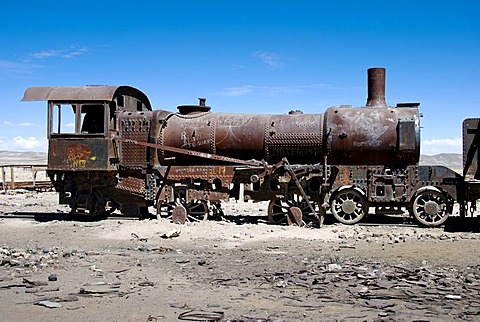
x,y
57,268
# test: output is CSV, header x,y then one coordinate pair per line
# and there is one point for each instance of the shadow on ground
x,y
453,224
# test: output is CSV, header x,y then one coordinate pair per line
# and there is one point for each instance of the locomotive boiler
x,y
375,134
124,155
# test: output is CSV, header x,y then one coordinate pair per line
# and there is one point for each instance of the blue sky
x,y
244,56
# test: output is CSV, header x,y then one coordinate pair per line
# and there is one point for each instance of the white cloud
x,y
270,59
7,123
63,53
26,124
436,146
24,144
16,69
237,66
239,91
317,86
30,143
264,90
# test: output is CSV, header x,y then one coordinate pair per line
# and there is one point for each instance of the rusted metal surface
x,y
191,153
343,177
348,159
351,136
83,93
441,177
298,137
294,216
134,127
471,147
390,184
373,135
193,109
376,87
208,173
229,135
73,154
131,184
252,136
370,136
208,195
179,215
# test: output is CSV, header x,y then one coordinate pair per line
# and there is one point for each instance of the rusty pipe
x,y
376,87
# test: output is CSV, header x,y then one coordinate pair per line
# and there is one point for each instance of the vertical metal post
x,y
59,118
3,179
241,192
34,174
12,176
78,118
49,119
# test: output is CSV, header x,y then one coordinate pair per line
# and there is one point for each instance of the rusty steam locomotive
x,y
123,155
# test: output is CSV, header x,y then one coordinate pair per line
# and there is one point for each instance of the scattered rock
x,y
49,304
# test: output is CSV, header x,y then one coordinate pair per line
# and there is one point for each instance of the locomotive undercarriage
x,y
96,193
293,191
297,194
426,193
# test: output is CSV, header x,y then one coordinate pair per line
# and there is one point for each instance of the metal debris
x,y
135,236
194,315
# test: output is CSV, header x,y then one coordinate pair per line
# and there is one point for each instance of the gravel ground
x,y
57,268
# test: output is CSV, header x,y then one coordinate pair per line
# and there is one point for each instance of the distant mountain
x,y
22,158
453,161
450,160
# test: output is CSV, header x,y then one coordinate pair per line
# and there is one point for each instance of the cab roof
x,y
83,93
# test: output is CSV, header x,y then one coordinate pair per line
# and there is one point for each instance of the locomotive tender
x,y
121,154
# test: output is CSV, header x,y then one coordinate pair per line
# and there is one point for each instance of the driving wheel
x,y
349,206
431,208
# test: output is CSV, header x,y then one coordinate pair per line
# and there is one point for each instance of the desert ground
x,y
56,267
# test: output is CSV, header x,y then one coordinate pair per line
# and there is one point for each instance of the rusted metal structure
x,y
124,155
24,176
83,161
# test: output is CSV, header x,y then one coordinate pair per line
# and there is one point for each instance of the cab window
x,y
77,118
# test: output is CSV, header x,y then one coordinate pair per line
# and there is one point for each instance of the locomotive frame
x,y
123,155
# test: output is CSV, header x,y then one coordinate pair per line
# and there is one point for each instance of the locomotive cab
x,y
83,158
82,122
